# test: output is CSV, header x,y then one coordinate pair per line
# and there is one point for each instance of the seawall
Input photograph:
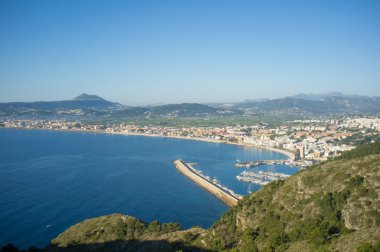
x,y
222,195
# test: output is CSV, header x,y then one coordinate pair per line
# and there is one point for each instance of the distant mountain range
x,y
319,97
87,106
315,104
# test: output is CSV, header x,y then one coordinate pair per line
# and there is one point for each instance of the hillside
x,y
333,206
327,104
124,233
87,106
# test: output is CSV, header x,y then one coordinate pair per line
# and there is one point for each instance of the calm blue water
x,y
50,180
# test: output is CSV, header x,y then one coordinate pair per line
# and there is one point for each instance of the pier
x,y
227,196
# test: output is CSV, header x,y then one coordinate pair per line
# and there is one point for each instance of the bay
x,y
50,180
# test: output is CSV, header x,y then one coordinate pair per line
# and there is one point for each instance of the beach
x,y
289,154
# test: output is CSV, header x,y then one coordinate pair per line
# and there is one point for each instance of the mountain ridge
x,y
95,107
85,96
82,101
321,96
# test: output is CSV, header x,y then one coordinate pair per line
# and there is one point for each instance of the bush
x,y
153,227
9,248
361,151
170,227
367,247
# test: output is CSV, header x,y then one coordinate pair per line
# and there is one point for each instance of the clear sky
x,y
168,51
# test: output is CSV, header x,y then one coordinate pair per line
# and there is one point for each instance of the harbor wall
x,y
225,197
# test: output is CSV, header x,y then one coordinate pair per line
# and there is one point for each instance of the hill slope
x,y
334,206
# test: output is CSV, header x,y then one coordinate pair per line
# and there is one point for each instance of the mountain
x,y
87,106
87,97
93,107
333,206
83,101
322,105
317,97
188,110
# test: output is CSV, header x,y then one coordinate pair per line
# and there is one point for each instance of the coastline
x,y
289,154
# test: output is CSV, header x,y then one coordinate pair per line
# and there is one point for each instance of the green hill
x,y
365,150
333,206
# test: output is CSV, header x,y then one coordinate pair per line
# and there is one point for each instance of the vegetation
x,y
197,121
368,149
332,206
113,227
367,247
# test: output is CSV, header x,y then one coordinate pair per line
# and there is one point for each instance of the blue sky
x,y
145,52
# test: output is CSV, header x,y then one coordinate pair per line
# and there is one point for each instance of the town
x,y
305,141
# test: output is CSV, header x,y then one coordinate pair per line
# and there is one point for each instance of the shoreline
x,y
289,154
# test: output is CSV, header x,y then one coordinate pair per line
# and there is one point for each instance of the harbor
x,y
249,164
212,185
260,162
260,177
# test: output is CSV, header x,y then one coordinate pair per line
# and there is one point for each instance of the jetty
x,y
224,194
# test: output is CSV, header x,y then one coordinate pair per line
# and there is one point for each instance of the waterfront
x,y
51,180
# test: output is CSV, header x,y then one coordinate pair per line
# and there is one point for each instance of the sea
x,y
50,180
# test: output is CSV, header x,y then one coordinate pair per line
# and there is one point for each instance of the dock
x,y
260,177
219,192
261,162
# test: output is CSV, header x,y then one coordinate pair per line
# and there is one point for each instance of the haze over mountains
x,y
93,106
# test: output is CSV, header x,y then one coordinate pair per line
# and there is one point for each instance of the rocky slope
x,y
332,206
117,232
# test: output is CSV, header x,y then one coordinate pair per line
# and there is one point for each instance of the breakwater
x,y
223,195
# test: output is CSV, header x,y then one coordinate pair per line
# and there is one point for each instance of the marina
x,y
249,164
260,162
260,177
